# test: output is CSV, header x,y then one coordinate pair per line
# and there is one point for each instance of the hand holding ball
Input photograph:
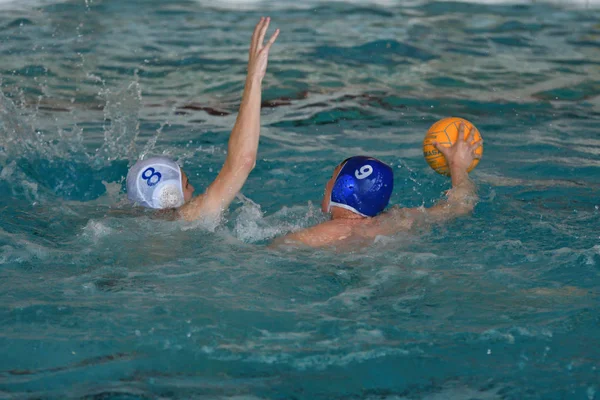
x,y
445,132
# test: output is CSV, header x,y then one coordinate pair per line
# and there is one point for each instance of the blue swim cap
x,y
363,185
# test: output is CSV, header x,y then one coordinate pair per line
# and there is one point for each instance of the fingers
x,y
272,40
461,132
473,147
263,31
471,135
440,148
254,41
258,36
476,145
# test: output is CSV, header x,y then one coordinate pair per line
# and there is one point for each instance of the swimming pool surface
x,y
98,302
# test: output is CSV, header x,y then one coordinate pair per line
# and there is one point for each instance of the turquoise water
x,y
101,302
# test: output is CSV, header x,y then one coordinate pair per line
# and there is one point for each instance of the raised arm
x,y
243,141
460,199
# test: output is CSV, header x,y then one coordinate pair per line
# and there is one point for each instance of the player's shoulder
x,y
401,212
197,207
396,219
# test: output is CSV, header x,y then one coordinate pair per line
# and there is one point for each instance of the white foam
x,y
293,337
493,335
368,336
22,251
96,230
251,225
247,226
322,361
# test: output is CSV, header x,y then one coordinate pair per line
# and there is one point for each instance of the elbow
x,y
240,164
462,203
465,207
457,209
247,163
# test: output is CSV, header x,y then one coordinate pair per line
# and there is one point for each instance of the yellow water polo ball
x,y
445,132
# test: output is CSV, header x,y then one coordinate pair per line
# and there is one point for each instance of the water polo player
x,y
360,190
159,182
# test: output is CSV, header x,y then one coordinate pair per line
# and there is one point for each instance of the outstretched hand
x,y
462,153
259,52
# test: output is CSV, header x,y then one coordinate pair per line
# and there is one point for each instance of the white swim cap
x,y
155,183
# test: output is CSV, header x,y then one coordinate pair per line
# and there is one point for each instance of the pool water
x,y
100,301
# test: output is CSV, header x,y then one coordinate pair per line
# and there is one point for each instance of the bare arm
x,y
243,141
330,233
460,200
304,237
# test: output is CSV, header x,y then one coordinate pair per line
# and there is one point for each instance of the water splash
x,y
60,161
122,111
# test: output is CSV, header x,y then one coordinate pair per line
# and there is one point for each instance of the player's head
x,y
360,184
158,182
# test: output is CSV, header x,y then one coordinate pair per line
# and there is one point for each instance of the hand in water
x,y
259,52
462,153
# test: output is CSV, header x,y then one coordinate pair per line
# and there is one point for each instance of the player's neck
x,y
338,213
